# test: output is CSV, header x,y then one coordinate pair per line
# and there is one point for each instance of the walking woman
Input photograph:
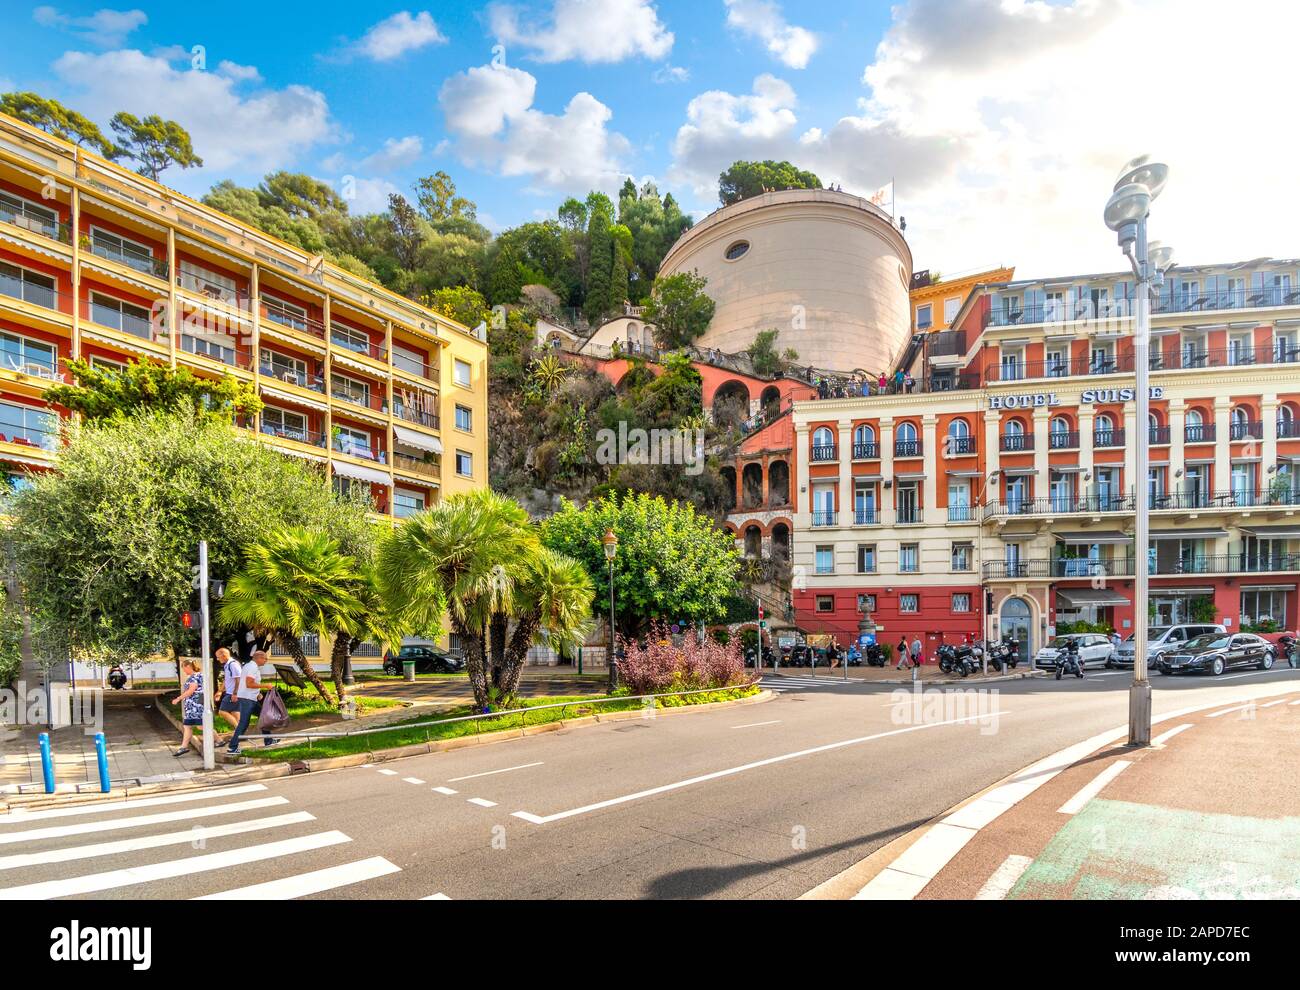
x,y
191,701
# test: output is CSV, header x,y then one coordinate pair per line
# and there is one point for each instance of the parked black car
x,y
428,660
1217,652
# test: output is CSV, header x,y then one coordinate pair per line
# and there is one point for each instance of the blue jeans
x,y
246,706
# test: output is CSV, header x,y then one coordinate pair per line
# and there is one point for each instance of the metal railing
x,y
824,517
1066,568
1062,439
311,735
18,214
311,437
823,452
275,312
29,292
1199,433
360,451
420,416
1108,438
133,257
1158,435
866,517
1014,443
1246,431
961,513
960,445
302,379
414,465
908,448
867,451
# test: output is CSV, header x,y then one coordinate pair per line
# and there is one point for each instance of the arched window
x,y
1240,416
1060,425
1104,424
1153,421
1015,428
958,429
863,434
1194,418
1286,421
823,437
907,432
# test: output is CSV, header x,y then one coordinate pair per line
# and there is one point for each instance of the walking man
x,y
250,677
916,651
230,668
902,652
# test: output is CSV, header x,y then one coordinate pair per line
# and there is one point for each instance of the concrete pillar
x,y
802,495
844,447
886,471
1223,448
1087,425
1177,442
930,511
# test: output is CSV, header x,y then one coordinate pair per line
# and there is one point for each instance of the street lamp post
x,y
610,542
1139,183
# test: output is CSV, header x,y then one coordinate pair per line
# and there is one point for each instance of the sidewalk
x,y
1210,811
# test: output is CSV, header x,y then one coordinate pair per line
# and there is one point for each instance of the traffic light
x,y
988,602
191,620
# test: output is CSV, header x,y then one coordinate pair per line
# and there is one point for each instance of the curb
x,y
256,770
930,681
933,845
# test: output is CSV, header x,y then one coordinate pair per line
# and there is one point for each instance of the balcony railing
x,y
1158,436
1233,499
823,517
1066,568
1120,305
868,451
345,446
108,316
960,445
1108,438
370,349
420,416
1199,433
961,513
908,448
1062,439
30,436
373,400
906,515
29,292
215,291
823,452
133,257
1057,505
866,517
20,215
1012,443
216,347
1288,429
274,312
293,377
1246,431
311,437
415,465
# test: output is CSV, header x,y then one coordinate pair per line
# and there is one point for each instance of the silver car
x,y
1161,639
1094,648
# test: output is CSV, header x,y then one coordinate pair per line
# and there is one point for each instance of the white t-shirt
x,y
230,673
250,669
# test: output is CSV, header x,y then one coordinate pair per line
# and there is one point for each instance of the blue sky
x,y
1002,121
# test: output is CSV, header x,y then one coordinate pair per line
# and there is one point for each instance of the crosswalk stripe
x,y
111,879
309,883
59,831
104,807
200,833
444,790
482,802
436,897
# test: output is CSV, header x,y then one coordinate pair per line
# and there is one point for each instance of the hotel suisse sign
x,y
1089,396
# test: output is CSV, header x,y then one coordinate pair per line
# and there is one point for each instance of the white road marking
x,y
482,802
1297,702
97,808
413,780
436,897
444,790
1004,878
59,831
489,773
200,833
388,773
1251,673
1164,737
752,725
664,788
172,868
309,883
1229,711
1280,701
1094,787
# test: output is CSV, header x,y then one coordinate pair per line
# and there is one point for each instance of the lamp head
x,y
1127,207
1161,256
1143,170
610,542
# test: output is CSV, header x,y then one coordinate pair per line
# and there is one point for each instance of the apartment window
x,y
961,602
353,340
32,287
1263,606
352,389
29,424
1011,366
464,464
33,357
906,503
962,555
105,365
350,440
206,282
110,312
464,418
825,603
909,558
1054,307
283,367
407,504
825,558
866,603
866,558
909,603
30,216
285,313
209,345
924,316
408,360
461,370
117,248
283,423
950,307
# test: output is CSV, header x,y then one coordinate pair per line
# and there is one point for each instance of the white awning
x,y
290,397
1188,534
361,473
1081,597
418,440
1109,537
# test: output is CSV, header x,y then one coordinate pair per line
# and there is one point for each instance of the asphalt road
x,y
765,800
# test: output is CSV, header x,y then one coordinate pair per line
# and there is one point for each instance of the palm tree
x,y
475,557
374,622
294,581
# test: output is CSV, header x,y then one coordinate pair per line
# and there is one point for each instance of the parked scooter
x,y
1290,649
1067,660
955,660
874,655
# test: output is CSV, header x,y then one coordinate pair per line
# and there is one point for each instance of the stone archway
x,y
1016,617
753,541
731,403
780,542
752,485
778,484
728,474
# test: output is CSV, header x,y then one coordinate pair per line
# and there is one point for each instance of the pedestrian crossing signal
x,y
191,620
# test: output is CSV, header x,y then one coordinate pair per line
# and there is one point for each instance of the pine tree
x,y
601,273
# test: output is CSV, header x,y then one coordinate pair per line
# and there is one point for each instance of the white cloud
x,y
369,195
105,27
397,153
489,112
588,30
671,74
239,73
1004,121
763,19
396,35
233,132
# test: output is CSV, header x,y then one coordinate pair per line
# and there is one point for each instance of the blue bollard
x,y
101,752
47,763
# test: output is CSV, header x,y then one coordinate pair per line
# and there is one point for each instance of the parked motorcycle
x,y
1290,649
874,655
955,660
1068,662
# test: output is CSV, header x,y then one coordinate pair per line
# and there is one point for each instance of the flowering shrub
x,y
658,665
